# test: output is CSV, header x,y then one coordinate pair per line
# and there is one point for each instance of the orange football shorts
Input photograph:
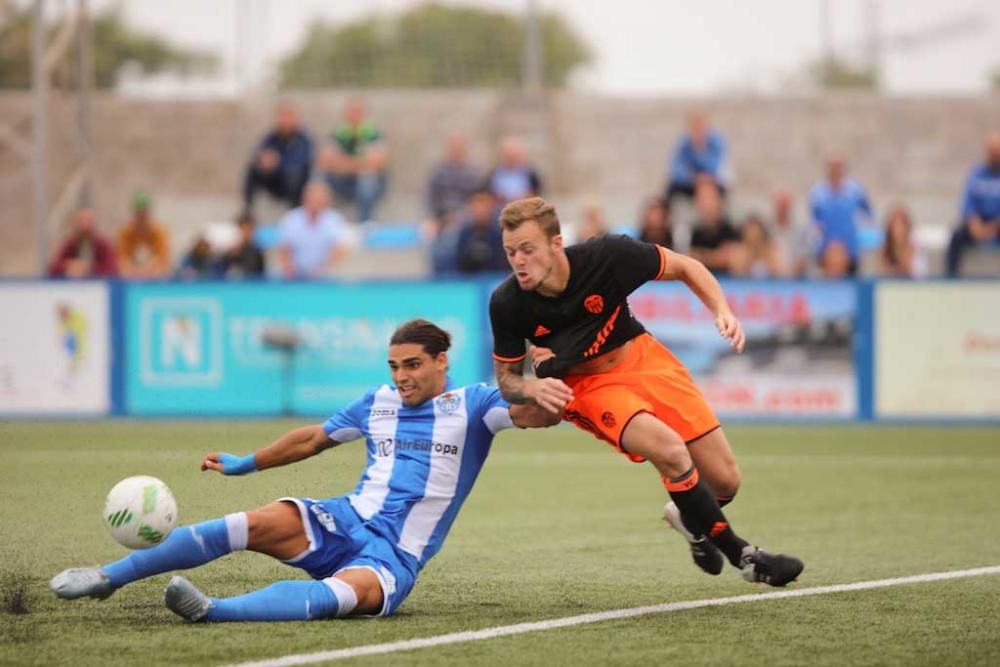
x,y
649,379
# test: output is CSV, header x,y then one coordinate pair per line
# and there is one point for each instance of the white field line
x,y
597,617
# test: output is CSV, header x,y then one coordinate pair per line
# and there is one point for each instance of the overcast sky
x,y
645,47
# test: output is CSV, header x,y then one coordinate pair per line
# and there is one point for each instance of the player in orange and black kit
x,y
597,366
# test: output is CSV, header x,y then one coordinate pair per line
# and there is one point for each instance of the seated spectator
x,y
355,163
835,204
513,177
453,180
311,238
479,247
900,256
85,253
837,263
442,246
655,224
700,152
593,223
980,216
143,244
714,240
756,256
281,163
245,259
199,262
793,241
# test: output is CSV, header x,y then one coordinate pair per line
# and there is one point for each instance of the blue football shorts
x,y
339,540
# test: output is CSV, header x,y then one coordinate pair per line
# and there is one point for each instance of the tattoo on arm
x,y
510,379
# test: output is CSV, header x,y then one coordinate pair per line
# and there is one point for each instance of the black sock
x,y
701,514
724,500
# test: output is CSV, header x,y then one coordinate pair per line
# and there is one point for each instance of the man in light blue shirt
x,y
426,441
513,177
980,221
700,154
835,204
311,238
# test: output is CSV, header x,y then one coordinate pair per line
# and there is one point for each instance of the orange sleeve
x,y
663,262
508,360
126,243
162,245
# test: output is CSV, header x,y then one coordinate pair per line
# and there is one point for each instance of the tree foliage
x,y
839,75
431,46
114,44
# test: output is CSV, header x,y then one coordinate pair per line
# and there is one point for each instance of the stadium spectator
x,y
311,237
143,243
792,240
513,177
835,203
363,550
199,262
756,256
980,216
85,253
355,162
700,152
441,241
453,180
713,238
479,247
281,163
655,224
245,259
593,224
900,256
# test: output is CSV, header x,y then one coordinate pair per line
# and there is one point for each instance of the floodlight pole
x,y
85,87
40,91
826,32
532,79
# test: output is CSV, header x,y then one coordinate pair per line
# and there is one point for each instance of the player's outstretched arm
x,y
551,394
530,415
293,446
701,281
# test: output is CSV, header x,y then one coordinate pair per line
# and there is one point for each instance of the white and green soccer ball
x,y
140,512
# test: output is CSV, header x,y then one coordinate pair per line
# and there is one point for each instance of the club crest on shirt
x,y
594,303
448,403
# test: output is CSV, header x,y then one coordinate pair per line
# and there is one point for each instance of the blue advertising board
x,y
216,348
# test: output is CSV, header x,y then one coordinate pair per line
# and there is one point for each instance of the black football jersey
x,y
589,318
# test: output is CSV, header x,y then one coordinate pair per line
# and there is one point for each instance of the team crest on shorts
x,y
448,402
608,420
594,303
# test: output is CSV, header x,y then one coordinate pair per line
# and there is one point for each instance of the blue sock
x,y
282,601
185,547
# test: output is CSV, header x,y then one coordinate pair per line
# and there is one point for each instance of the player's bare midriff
x,y
602,364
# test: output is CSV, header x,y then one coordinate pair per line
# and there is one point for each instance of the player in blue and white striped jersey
x,y
426,443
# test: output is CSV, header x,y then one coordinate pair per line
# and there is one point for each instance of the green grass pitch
x,y
558,526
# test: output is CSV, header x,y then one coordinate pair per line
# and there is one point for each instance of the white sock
x,y
236,527
347,599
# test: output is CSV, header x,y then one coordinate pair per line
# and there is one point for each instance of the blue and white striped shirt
x,y
422,460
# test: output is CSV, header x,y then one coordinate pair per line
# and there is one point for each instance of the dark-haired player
x,y
598,367
426,442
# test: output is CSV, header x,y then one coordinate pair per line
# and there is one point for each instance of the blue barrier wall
x,y
202,348
853,350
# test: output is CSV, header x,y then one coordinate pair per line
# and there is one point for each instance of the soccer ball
x,y
140,512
